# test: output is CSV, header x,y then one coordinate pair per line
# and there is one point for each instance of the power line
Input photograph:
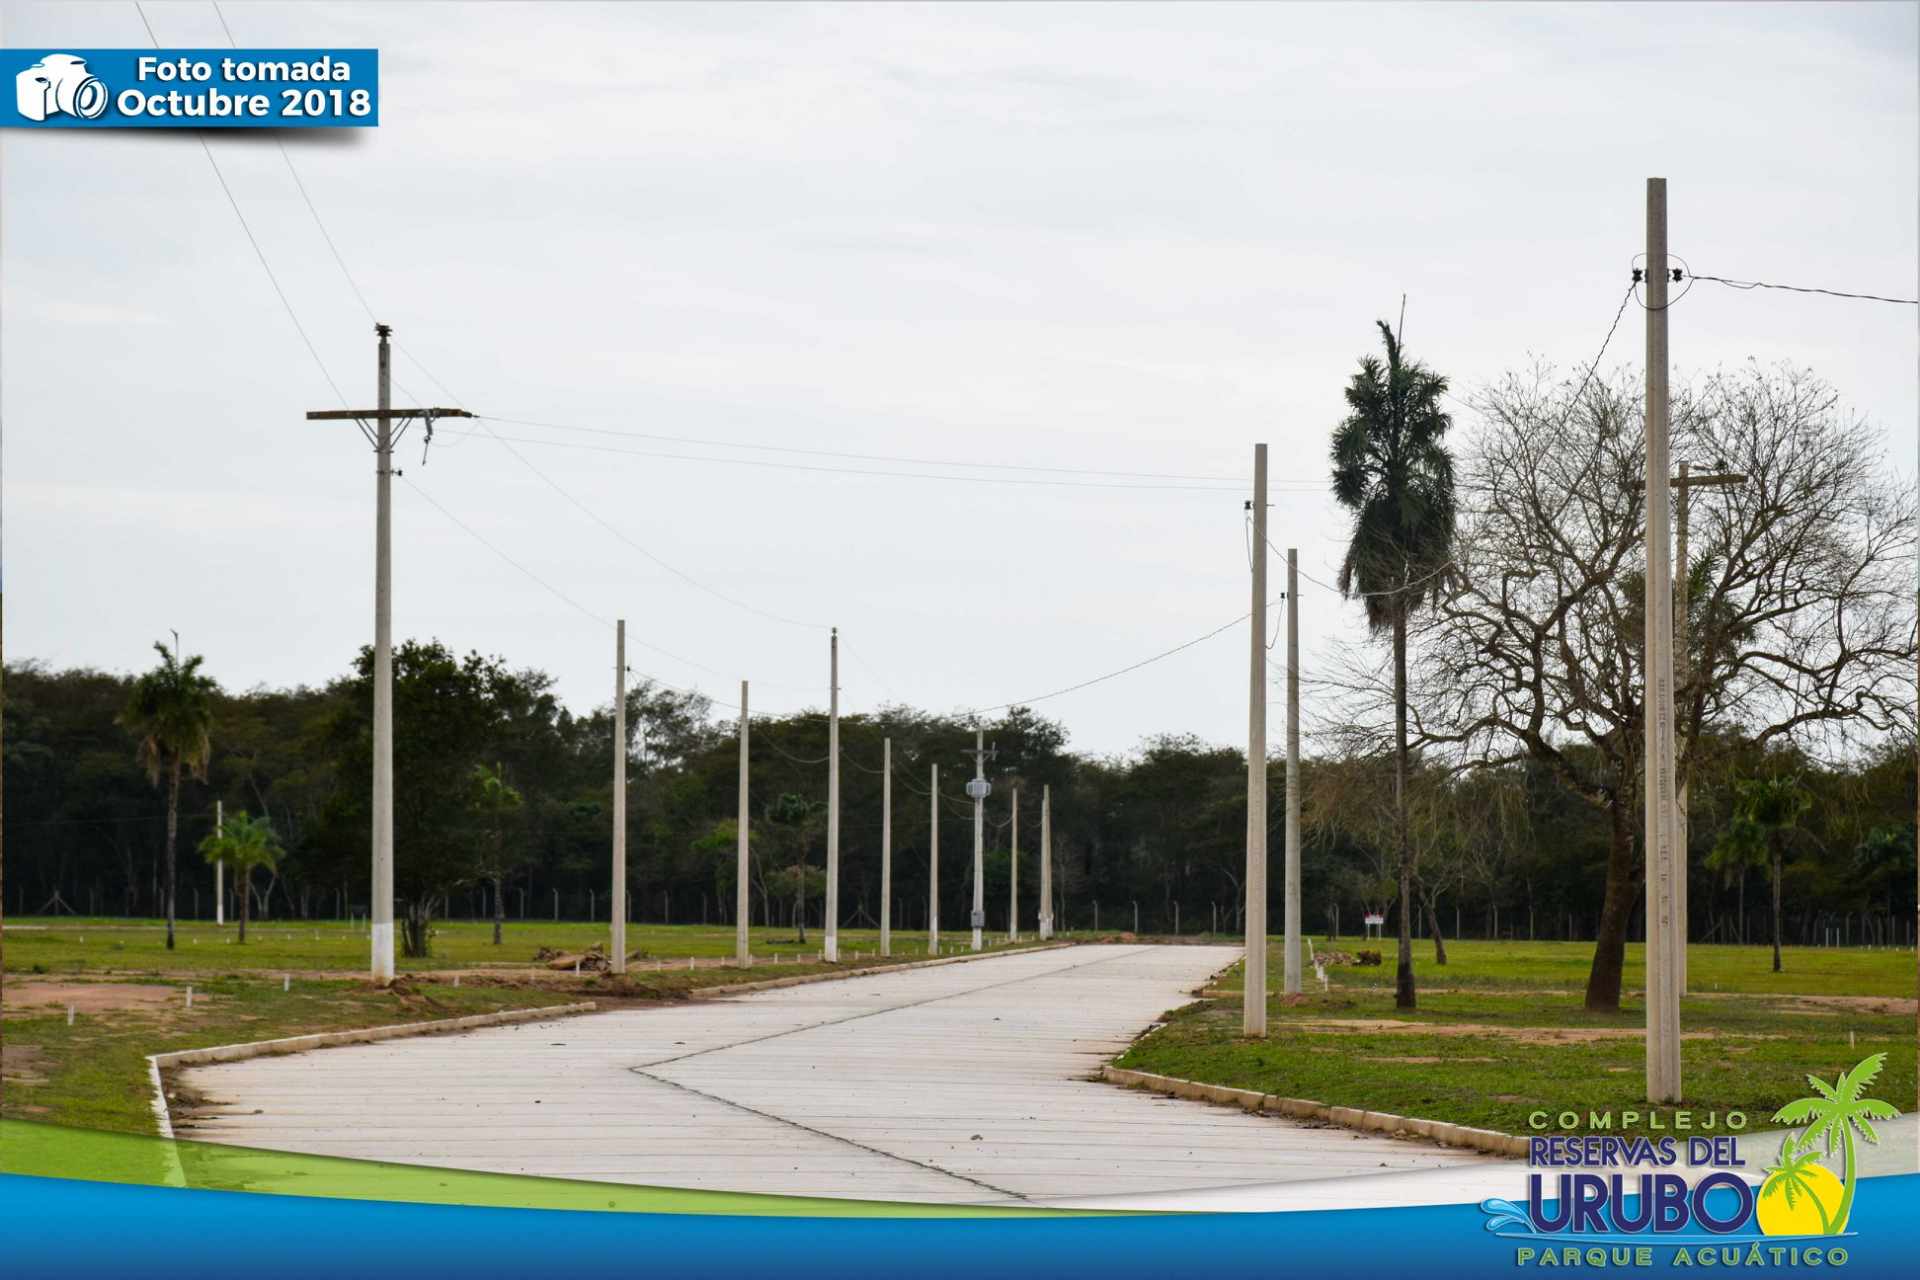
x,y
856,471
1747,285
677,572
1085,684
258,252
869,457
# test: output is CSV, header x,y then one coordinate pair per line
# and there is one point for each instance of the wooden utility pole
x,y
617,959
886,846
1253,1020
381,434
1013,873
1686,482
1663,932
1046,863
830,948
933,867
742,904
1292,966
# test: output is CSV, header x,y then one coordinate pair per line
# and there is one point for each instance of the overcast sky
x,y
1131,238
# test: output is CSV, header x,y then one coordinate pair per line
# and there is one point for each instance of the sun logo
x,y
1802,1197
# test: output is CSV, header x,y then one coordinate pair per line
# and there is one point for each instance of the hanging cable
x,y
1746,285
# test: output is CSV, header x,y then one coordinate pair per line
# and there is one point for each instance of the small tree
x,y
243,843
494,802
1764,810
170,711
791,817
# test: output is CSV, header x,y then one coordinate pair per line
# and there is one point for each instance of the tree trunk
x,y
1743,904
173,828
414,926
1610,942
1403,992
1433,927
499,908
245,876
800,903
1776,908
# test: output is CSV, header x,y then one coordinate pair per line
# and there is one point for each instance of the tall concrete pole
x,y
1046,863
1663,992
219,867
1253,1018
742,904
933,868
381,930
1013,873
1292,965
979,836
617,958
886,846
832,944
1682,659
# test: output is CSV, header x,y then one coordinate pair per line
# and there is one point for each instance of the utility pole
x,y
831,947
933,868
1013,873
742,904
886,846
1046,863
618,959
1253,1015
1292,965
1663,991
219,866
382,436
979,789
1686,482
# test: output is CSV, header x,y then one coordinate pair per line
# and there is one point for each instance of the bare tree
x,y
1802,617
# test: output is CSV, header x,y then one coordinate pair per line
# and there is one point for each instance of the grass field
x,y
72,944
129,991
1501,1032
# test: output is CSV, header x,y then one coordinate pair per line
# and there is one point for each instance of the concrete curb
x,y
158,1062
1439,1132
869,971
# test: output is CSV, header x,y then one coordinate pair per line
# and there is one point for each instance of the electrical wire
x,y
201,137
869,457
1111,675
1747,285
854,471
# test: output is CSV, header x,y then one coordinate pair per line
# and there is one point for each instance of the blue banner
x,y
74,1230
192,88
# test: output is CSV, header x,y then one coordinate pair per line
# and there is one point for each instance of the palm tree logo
x,y
1801,1196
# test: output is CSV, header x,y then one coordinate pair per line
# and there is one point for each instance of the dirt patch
x,y
1420,1059
93,997
20,1063
1889,1005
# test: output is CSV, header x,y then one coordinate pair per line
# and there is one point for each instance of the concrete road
x,y
952,1083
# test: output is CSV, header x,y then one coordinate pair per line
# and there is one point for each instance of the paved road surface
x,y
952,1083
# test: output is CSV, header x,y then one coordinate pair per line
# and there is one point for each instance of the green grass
x,y
1563,966
1501,1032
72,945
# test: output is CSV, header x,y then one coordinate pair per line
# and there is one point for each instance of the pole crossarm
x,y
361,415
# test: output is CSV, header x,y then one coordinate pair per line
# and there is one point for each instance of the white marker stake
x,y
189,997
69,1015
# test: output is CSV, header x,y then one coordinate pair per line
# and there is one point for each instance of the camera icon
x,y
60,84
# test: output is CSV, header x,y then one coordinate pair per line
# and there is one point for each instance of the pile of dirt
x,y
592,960
1347,957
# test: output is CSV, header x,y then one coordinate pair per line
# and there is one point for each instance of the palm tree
x,y
1836,1115
243,843
1796,1176
494,799
170,710
1764,810
1391,469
